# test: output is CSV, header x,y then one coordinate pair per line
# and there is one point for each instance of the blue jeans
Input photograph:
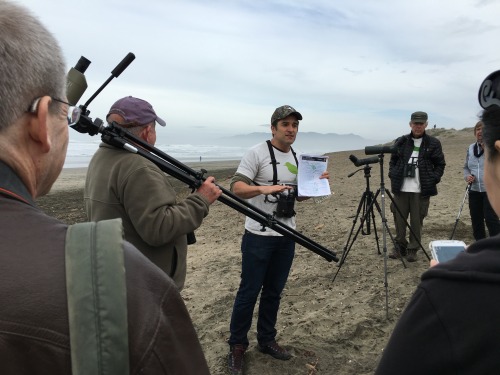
x,y
266,263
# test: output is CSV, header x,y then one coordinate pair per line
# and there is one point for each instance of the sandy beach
x,y
335,320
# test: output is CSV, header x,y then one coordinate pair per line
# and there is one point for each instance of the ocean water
x,y
80,152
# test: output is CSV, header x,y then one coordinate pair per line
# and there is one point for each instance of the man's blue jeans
x,y
266,263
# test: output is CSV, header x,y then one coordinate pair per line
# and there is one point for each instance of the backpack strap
x,y
97,298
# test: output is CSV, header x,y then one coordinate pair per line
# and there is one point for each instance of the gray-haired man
x,y
415,169
34,322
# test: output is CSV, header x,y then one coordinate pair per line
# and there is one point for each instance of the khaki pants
x,y
415,206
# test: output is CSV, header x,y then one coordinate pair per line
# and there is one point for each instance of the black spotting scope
x,y
376,150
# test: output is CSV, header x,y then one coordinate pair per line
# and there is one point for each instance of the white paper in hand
x,y
311,167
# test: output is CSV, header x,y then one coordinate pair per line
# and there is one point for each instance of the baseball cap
x,y
419,116
282,112
135,110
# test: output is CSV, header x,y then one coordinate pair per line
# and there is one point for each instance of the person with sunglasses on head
x,y
480,209
415,168
35,334
125,185
451,325
267,178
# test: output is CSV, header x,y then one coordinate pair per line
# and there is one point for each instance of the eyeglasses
x,y
73,115
73,112
489,92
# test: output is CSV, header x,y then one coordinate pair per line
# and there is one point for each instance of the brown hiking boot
x,y
412,255
397,252
235,359
275,350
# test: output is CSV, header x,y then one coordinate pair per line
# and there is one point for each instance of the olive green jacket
x,y
121,184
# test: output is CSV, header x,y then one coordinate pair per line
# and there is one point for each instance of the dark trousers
x,y
415,206
481,212
266,263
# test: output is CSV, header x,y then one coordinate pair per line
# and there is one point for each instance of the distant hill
x,y
312,142
306,141
448,136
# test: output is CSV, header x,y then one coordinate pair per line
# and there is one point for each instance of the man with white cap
x,y
127,185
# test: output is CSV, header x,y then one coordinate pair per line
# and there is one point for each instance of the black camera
x,y
286,202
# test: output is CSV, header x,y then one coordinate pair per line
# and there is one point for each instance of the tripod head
x,y
379,159
366,168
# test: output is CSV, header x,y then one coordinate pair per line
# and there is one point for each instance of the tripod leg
x,y
389,232
349,243
406,222
373,221
370,219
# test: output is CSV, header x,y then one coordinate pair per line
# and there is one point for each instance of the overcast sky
x,y
222,67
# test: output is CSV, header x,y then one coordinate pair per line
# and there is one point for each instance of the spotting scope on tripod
x,y
366,214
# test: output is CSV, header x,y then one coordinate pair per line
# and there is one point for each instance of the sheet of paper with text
x,y
311,167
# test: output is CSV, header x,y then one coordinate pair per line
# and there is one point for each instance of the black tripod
x,y
367,202
367,218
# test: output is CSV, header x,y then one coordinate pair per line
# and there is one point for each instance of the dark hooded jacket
x,y
431,163
452,323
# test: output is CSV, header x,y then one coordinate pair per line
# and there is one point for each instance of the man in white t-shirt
x,y
267,178
415,168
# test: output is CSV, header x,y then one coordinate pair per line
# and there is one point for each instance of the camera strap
x,y
274,162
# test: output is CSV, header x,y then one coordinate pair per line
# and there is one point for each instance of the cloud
x,y
221,67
